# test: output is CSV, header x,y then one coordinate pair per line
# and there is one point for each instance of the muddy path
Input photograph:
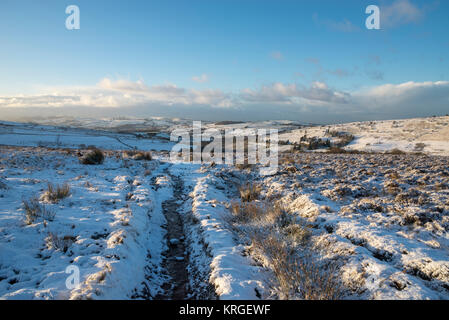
x,y
181,270
176,258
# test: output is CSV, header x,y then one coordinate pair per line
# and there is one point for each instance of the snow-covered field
x,y
427,135
368,226
18,134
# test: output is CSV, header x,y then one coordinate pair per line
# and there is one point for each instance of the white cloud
x,y
124,85
291,93
317,102
118,93
400,12
403,89
201,79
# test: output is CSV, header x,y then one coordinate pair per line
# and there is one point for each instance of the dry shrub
x,y
93,157
396,151
393,175
420,146
291,169
129,153
278,257
392,188
246,212
53,241
298,278
243,166
288,158
441,186
137,155
410,219
55,193
276,214
249,192
345,139
143,156
336,150
34,210
283,245
298,234
262,213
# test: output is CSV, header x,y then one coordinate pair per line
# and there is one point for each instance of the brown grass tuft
x,y
53,241
33,210
93,157
55,193
249,192
395,151
295,277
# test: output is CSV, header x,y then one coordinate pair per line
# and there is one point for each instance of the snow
x,y
365,228
111,233
387,135
383,219
28,135
232,274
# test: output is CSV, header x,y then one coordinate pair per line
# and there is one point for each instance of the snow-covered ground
x,y
108,219
29,135
231,273
427,135
381,219
116,230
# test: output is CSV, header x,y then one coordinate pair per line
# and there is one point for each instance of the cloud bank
x,y
314,103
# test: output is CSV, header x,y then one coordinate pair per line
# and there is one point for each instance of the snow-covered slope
x,y
19,134
102,227
427,135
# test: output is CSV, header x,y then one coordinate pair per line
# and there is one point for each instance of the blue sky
x,y
226,57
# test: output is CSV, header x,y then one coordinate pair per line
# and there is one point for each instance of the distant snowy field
x,y
28,135
427,135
